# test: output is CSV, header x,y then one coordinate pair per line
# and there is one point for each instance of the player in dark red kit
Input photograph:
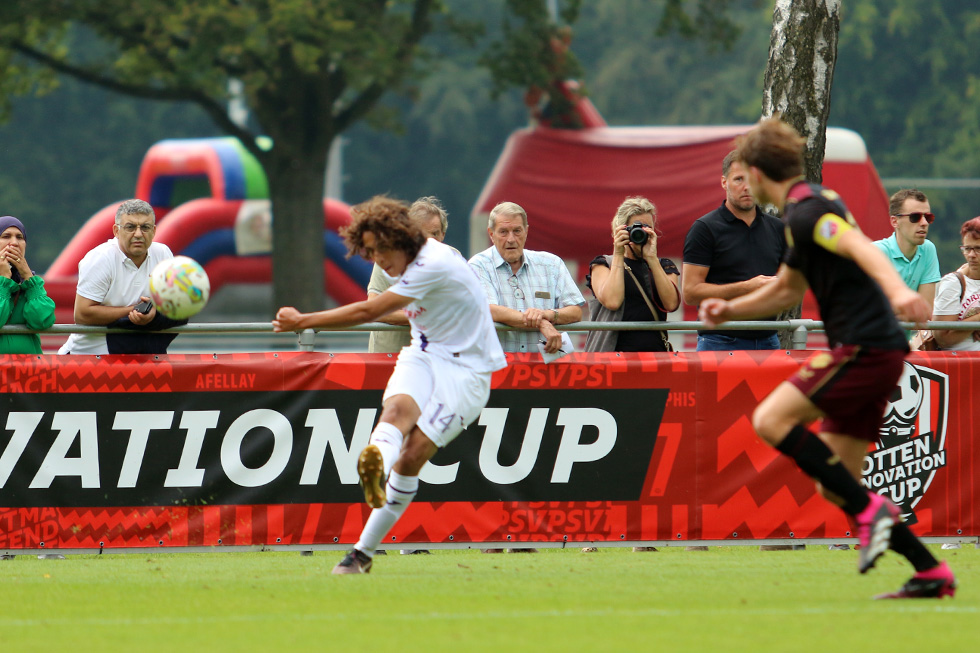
x,y
859,293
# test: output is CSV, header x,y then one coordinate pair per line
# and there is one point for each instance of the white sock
x,y
388,439
400,492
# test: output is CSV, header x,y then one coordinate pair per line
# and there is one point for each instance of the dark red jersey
x,y
853,307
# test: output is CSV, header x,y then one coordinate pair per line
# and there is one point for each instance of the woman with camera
x,y
632,285
958,295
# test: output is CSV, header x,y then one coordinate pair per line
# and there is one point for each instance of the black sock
x,y
905,543
820,463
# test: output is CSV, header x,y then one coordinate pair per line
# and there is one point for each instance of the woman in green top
x,y
22,296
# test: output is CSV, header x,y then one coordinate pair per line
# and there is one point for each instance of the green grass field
x,y
729,599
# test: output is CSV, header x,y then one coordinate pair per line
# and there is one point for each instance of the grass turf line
x,y
728,599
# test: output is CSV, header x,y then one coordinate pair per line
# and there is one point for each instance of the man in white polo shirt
x,y
115,276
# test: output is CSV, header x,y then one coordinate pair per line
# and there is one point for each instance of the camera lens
x,y
637,235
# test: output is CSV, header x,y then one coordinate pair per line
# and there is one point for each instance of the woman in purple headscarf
x,y
22,296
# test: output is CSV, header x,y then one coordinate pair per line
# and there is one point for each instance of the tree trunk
x,y
802,57
301,127
296,191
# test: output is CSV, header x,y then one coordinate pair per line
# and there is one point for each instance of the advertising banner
x,y
260,450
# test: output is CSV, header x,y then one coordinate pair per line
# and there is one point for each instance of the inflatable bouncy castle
x,y
210,196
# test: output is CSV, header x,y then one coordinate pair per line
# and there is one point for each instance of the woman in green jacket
x,y
22,296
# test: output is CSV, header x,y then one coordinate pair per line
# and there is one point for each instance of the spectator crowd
x,y
728,253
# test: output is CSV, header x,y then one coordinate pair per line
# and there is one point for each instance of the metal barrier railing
x,y
801,328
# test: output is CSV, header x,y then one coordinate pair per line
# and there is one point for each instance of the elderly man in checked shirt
x,y
525,288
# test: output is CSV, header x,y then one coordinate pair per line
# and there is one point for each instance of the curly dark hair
x,y
388,220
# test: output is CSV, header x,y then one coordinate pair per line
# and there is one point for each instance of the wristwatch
x,y
555,321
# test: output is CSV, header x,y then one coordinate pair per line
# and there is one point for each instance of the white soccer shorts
x,y
450,395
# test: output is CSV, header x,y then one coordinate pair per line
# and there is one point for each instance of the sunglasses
x,y
915,217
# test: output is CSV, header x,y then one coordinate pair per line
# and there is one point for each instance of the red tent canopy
x,y
570,182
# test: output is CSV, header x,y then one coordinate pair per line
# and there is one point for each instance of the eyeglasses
x,y
915,217
131,228
518,293
969,250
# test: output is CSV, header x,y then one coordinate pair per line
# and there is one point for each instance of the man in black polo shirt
x,y
729,253
859,294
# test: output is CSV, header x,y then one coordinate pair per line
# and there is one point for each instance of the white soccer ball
x,y
179,287
906,399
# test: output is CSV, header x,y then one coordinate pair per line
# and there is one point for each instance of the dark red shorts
x,y
852,386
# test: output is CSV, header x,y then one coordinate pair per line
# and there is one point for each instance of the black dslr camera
x,y
637,235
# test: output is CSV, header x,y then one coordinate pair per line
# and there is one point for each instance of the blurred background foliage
x,y
906,80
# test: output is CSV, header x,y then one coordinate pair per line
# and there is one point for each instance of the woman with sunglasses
x,y
23,299
958,295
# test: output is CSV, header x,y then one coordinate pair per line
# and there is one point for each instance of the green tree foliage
x,y
454,132
310,70
706,20
74,151
532,51
637,76
908,80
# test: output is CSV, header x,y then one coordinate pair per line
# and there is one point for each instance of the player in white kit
x,y
441,381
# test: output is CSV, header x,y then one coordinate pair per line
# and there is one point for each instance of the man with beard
x,y
729,253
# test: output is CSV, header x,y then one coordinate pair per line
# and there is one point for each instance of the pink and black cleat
x,y
934,583
874,530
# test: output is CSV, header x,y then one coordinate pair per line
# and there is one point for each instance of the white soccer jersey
x,y
449,313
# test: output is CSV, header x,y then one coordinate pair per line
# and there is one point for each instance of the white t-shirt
x,y
948,302
107,276
450,316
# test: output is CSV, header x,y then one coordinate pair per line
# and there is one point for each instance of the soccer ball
x,y
179,287
906,398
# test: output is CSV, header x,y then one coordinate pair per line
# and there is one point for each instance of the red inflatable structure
x,y
200,190
570,182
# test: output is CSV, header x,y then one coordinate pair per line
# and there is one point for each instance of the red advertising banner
x,y
122,452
